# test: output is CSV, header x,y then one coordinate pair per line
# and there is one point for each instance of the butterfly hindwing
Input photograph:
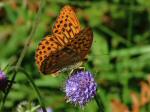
x,y
82,42
59,60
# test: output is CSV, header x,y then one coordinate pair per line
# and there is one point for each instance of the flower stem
x,y
35,88
23,52
130,20
99,103
8,89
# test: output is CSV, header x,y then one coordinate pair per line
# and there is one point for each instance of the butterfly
x,y
68,45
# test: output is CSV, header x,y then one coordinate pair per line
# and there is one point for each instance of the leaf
x,y
136,102
117,106
145,93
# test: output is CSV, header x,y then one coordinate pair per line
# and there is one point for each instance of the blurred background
x,y
119,58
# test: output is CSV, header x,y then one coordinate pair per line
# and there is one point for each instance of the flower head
x,y
3,81
80,88
47,109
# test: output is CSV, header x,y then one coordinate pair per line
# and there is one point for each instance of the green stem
x,y
99,103
31,34
130,20
113,34
24,51
8,89
35,88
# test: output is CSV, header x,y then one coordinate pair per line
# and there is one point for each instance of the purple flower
x,y
47,109
80,88
3,81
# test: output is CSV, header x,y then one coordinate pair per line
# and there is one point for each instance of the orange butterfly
x,y
66,47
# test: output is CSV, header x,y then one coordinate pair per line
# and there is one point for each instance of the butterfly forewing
x,y
47,46
59,60
67,24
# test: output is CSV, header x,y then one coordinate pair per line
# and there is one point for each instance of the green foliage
x,y
120,53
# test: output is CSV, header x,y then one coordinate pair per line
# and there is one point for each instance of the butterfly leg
x,y
76,70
